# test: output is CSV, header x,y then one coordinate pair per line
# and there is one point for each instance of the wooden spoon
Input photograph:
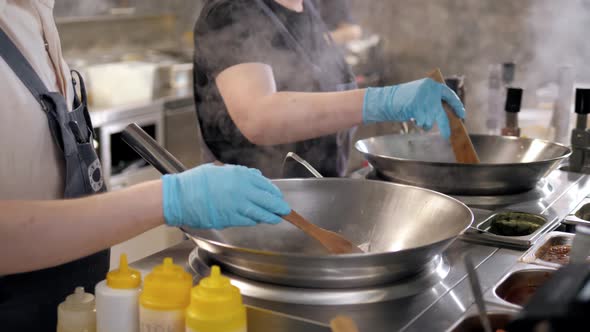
x,y
333,242
343,324
460,141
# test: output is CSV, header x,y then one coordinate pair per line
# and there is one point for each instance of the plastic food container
x,y
121,83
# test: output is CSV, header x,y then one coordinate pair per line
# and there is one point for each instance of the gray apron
x,y
28,301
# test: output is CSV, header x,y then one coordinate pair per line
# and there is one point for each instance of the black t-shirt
x,y
334,12
231,32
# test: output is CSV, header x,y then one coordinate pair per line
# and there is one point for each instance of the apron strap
x,y
22,68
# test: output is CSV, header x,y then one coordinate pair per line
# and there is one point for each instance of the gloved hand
x,y
419,100
221,196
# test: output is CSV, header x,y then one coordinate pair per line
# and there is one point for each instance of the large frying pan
x,y
509,165
404,228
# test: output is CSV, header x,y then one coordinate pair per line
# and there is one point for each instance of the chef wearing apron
x,y
35,295
268,79
47,154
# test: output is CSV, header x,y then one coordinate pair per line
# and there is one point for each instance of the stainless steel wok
x,y
508,165
404,229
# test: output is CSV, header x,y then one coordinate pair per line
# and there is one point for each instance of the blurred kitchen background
x,y
136,57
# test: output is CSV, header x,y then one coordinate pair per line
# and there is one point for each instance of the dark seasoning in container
x,y
519,286
552,251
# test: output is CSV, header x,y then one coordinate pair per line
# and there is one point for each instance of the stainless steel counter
x,y
434,306
434,309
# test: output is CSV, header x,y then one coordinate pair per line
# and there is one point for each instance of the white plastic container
x,y
117,300
121,83
77,313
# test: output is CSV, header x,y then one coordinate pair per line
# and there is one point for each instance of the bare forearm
x,y
40,234
285,117
346,32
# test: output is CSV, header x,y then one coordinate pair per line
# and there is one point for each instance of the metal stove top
x,y
431,301
434,273
553,198
547,191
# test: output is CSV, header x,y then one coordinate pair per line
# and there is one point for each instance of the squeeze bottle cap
x,y
123,277
215,303
79,301
167,287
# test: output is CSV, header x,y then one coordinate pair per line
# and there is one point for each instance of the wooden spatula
x,y
460,141
343,324
333,242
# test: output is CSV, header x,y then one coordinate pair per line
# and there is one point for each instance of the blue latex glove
x,y
419,100
221,196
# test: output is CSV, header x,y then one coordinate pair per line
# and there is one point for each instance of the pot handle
x,y
303,162
149,149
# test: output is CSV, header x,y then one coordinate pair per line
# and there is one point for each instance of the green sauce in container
x,y
515,224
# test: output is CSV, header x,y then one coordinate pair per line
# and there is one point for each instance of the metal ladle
x,y
477,294
303,162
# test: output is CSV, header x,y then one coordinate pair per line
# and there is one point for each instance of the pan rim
x,y
369,155
269,254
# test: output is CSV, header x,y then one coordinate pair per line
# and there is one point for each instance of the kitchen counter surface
x,y
434,309
426,302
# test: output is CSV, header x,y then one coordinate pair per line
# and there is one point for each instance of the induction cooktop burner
x,y
434,273
543,189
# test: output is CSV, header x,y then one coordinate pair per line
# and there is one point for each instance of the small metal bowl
x,y
519,286
554,241
488,224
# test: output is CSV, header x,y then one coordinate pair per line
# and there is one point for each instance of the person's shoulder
x,y
217,14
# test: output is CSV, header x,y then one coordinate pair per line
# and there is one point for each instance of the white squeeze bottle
x,y
117,300
77,313
164,298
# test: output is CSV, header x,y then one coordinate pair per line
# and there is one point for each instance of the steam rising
x,y
465,37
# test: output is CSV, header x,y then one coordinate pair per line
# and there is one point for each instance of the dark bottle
x,y
512,108
457,84
580,135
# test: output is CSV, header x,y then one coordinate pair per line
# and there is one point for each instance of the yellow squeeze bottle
x,y
216,306
165,296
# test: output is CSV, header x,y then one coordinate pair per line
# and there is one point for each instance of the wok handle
x,y
149,149
152,152
460,141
